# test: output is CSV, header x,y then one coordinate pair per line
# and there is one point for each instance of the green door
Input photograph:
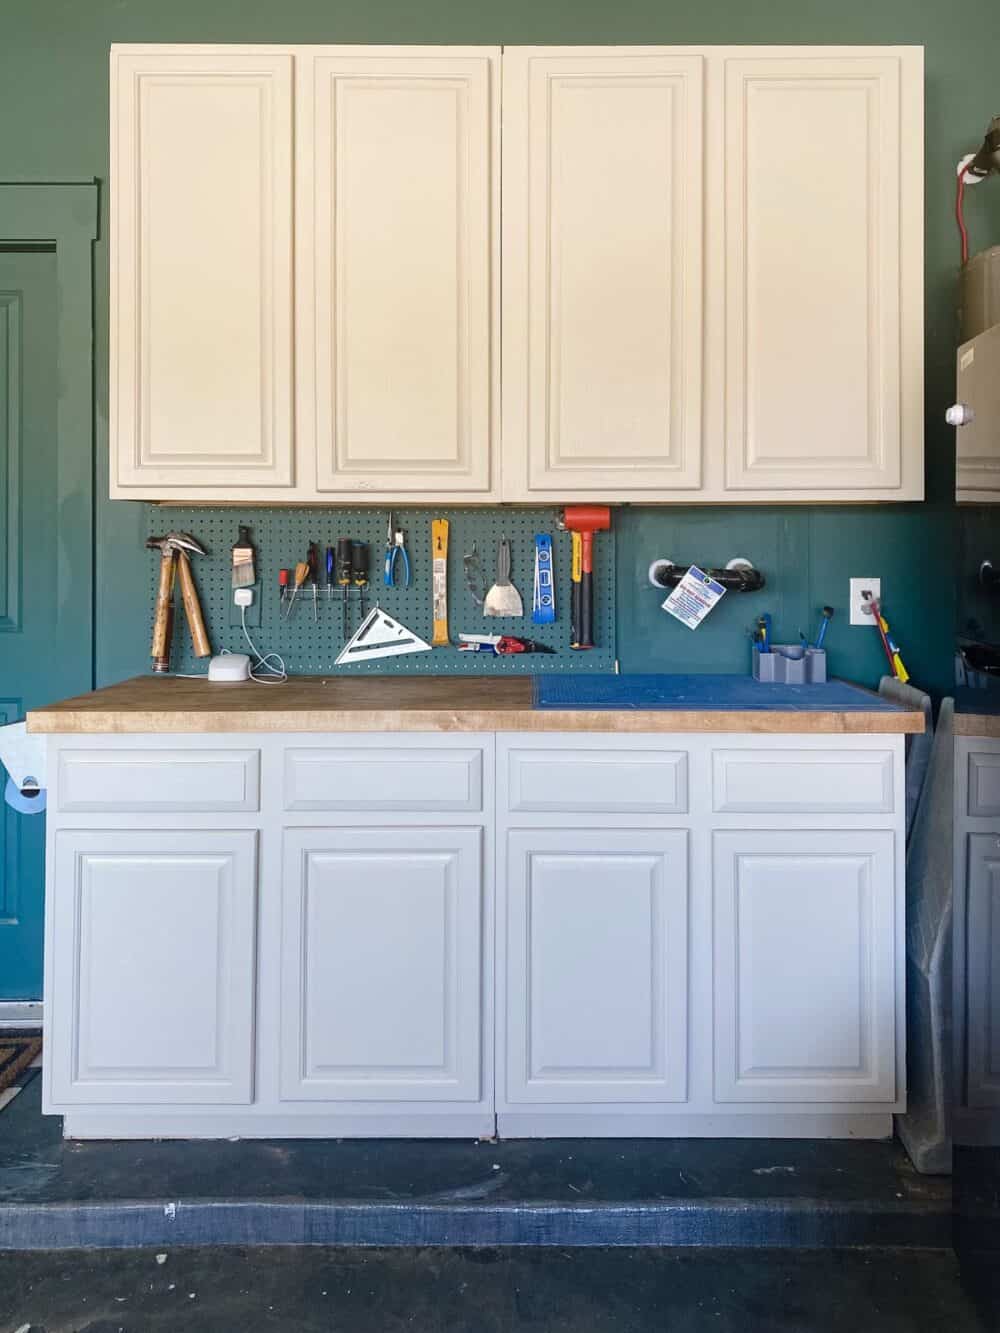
x,y
38,530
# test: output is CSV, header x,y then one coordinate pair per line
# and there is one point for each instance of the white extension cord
x,y
267,668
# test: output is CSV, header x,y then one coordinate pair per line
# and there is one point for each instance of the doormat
x,y
20,1058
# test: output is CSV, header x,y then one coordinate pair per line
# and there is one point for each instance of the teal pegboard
x,y
310,646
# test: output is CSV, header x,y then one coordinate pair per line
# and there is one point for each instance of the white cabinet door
x,y
823,274
151,992
805,1007
403,150
201,271
602,276
381,957
983,971
596,966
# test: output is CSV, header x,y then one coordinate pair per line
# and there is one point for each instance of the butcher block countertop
x,y
172,704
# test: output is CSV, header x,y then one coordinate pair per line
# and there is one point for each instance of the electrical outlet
x,y
859,616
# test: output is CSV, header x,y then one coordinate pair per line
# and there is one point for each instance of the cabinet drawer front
x,y
804,782
984,785
383,779
612,782
159,780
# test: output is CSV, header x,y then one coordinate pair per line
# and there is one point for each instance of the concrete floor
x,y
486,1291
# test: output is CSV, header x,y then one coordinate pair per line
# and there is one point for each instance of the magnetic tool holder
x,y
739,575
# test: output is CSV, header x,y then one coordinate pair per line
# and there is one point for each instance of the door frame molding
x,y
65,215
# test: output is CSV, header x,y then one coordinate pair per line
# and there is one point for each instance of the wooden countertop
x,y
981,726
172,704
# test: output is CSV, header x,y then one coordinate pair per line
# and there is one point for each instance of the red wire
x,y
959,218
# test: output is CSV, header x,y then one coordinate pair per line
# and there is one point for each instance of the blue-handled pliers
x,y
395,544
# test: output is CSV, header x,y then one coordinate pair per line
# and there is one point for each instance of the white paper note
x,y
693,598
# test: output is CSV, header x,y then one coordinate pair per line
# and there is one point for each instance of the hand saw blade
x,y
379,635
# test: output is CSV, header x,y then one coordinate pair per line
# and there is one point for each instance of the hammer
x,y
174,551
584,520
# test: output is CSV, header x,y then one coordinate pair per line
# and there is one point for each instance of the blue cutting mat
x,y
710,692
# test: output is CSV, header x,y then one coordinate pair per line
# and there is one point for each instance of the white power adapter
x,y
243,597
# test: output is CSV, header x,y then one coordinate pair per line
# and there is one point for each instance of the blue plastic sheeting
x,y
709,692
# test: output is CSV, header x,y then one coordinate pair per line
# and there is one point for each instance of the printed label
x,y
693,598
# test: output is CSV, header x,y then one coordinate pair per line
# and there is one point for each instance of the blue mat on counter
x,y
710,692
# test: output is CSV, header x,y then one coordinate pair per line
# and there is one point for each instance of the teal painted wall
x,y
54,125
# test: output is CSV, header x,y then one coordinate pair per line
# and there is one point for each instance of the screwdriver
x,y
312,559
344,571
329,572
359,569
301,574
283,588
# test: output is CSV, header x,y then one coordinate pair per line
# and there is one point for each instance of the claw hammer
x,y
175,560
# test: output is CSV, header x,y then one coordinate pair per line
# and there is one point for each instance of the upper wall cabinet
x,y
401,238
603,161
201,271
823,274
712,276
393,205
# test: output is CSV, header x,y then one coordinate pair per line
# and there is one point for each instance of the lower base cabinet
x,y
805,983
533,935
381,965
151,955
596,976
983,971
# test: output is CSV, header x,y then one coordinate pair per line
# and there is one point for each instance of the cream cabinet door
x,y
977,443
823,274
805,985
152,946
399,158
381,965
602,272
201,272
595,981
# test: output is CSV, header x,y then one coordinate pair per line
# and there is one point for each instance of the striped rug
x,y
20,1060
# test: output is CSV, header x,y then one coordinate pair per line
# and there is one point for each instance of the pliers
x,y
395,544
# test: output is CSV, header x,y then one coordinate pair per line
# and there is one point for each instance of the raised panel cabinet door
x,y
982,1021
201,271
405,148
977,443
805,1007
150,997
823,274
602,272
381,965
596,971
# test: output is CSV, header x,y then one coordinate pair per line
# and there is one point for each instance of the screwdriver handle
x,y
343,561
359,563
329,566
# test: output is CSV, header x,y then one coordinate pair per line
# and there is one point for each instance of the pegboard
x,y
310,646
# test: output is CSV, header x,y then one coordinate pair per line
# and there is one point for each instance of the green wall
x,y
54,125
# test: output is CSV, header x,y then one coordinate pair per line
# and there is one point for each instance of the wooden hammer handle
x,y
163,613
192,607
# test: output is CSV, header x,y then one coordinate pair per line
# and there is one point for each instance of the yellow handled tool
x,y
576,599
439,568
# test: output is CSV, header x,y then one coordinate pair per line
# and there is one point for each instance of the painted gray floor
x,y
37,1165
486,1291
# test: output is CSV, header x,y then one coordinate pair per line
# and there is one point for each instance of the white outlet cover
x,y
858,614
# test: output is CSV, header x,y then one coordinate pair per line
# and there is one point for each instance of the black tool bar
x,y
733,580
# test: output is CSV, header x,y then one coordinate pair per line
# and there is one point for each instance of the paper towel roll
x,y
25,805
23,757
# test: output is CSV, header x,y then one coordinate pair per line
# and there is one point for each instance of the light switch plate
x,y
858,614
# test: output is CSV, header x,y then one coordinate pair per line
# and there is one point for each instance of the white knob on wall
x,y
959,415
